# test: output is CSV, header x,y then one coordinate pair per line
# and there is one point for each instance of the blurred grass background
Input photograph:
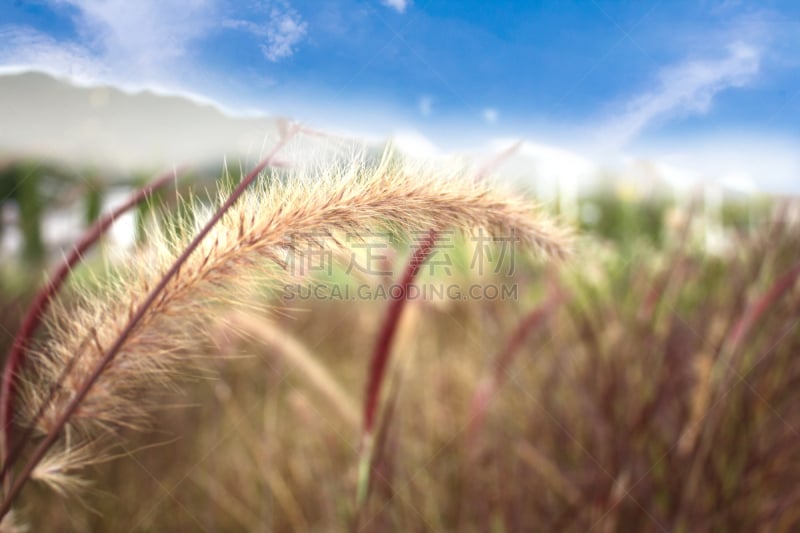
x,y
633,407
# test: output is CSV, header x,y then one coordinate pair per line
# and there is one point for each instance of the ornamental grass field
x,y
380,345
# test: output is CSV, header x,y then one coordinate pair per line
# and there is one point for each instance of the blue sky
x,y
600,77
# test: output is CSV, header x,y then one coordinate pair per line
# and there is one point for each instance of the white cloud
x,y
147,43
128,43
144,38
398,5
545,161
285,29
26,48
246,25
766,162
490,115
686,88
414,143
426,106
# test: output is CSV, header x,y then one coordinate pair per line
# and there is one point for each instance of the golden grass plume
x,y
276,217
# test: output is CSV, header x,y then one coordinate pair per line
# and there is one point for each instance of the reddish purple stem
x,y
382,351
762,305
37,309
40,451
532,322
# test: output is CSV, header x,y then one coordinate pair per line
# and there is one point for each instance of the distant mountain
x,y
44,117
118,131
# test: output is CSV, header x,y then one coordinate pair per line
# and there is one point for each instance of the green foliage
x,y
94,200
30,203
625,220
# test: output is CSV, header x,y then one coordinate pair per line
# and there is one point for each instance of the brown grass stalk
x,y
493,380
697,438
300,360
760,307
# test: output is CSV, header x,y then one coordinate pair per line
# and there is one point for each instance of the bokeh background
x,y
649,383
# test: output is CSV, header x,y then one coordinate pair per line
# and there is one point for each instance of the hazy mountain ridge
x,y
120,132
45,117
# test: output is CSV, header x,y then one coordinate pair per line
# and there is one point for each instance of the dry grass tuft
x,y
10,524
280,216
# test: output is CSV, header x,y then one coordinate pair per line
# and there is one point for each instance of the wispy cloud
x,y
398,5
281,32
490,115
687,88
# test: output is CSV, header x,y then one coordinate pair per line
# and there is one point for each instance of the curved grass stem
x,y
112,351
34,314
380,359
